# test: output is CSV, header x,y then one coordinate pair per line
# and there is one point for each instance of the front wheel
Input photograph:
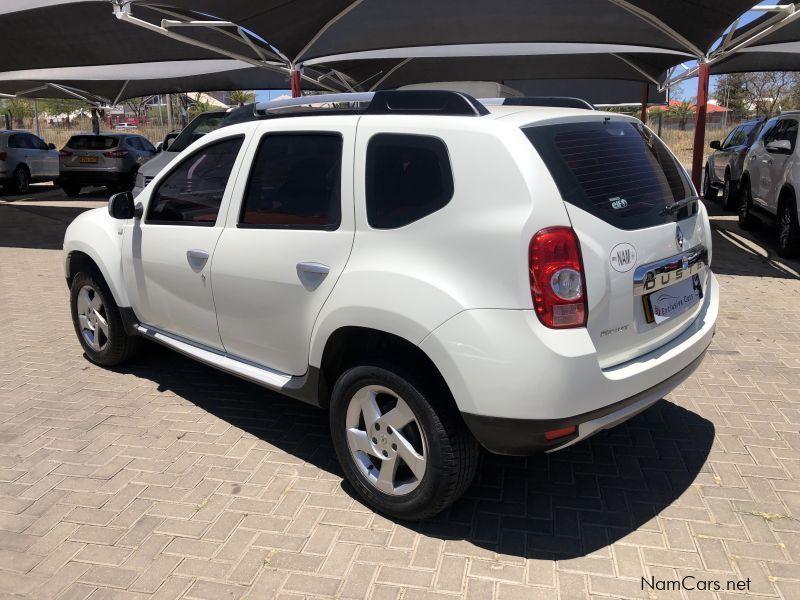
x,y
403,447
98,323
788,231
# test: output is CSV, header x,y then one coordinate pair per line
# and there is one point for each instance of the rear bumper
x,y
521,437
94,177
513,379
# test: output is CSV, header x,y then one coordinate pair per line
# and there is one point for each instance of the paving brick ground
x,y
167,479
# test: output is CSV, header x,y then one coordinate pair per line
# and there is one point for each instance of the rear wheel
x,y
746,218
72,190
788,230
402,446
709,191
730,193
98,323
22,180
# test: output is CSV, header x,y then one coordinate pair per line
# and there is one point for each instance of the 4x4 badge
x,y
678,237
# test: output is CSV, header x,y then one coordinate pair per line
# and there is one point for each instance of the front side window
x,y
408,177
192,192
729,140
295,182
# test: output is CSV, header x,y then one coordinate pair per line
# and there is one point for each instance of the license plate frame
x,y
87,160
671,301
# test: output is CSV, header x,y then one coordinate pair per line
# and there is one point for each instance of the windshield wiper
x,y
670,209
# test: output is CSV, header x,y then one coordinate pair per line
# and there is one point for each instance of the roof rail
x,y
556,101
389,102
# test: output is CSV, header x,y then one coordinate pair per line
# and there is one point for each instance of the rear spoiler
x,y
555,101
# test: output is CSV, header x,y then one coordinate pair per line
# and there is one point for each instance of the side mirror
x,y
159,147
165,144
121,206
780,147
51,145
715,145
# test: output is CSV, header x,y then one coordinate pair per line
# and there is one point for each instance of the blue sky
x,y
686,90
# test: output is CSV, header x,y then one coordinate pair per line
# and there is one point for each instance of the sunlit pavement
x,y
166,478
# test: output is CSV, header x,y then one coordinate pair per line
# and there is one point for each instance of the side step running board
x,y
259,375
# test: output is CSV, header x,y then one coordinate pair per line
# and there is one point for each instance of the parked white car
x,y
24,159
770,182
436,274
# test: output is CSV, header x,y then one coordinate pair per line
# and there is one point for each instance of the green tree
x,y
730,91
241,97
199,106
18,109
682,111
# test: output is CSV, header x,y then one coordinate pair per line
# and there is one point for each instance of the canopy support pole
x,y
95,121
645,98
701,109
295,77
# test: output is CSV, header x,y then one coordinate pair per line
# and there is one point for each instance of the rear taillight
x,y
3,155
115,153
558,285
64,153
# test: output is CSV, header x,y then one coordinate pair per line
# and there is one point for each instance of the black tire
x,y
730,193
450,451
746,218
709,191
788,230
117,346
21,181
72,190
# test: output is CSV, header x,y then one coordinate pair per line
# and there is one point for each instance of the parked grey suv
x,y
724,167
109,159
25,158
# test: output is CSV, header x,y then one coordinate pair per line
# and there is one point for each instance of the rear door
x,y
759,162
780,159
616,178
289,235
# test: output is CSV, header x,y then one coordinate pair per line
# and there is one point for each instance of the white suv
x,y
438,275
770,180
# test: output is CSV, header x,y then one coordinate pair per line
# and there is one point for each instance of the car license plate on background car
x,y
87,159
673,300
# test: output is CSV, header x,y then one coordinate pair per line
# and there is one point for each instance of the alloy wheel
x,y
92,318
21,181
385,440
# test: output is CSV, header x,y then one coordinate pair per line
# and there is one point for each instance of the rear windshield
x,y
92,142
618,171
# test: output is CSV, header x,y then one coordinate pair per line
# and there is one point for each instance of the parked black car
x,y
724,167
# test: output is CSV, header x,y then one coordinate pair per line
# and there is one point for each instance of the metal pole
x,y
169,111
296,89
36,115
95,121
700,124
645,98
660,121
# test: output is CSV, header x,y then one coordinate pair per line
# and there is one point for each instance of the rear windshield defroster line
x,y
618,171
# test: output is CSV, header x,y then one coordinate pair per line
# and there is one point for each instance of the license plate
x,y
87,159
664,304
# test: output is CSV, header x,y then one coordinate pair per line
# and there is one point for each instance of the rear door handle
x,y
312,274
197,259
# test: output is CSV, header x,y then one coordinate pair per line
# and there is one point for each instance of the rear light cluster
x,y
64,153
115,153
558,285
3,155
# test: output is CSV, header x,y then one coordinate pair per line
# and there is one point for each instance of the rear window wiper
x,y
670,209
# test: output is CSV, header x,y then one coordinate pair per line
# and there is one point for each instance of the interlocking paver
x,y
166,479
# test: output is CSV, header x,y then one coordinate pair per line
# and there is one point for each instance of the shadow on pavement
x,y
556,506
34,226
748,253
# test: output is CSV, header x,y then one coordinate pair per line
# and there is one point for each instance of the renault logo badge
x,y
679,237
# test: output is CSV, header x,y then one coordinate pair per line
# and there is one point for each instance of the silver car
x,y
109,159
25,158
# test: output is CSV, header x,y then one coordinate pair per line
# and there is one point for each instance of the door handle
x,y
312,274
197,259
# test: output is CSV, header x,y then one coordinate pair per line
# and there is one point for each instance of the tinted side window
x,y
790,132
146,145
739,138
408,177
729,140
14,141
192,193
767,134
35,142
295,182
134,143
